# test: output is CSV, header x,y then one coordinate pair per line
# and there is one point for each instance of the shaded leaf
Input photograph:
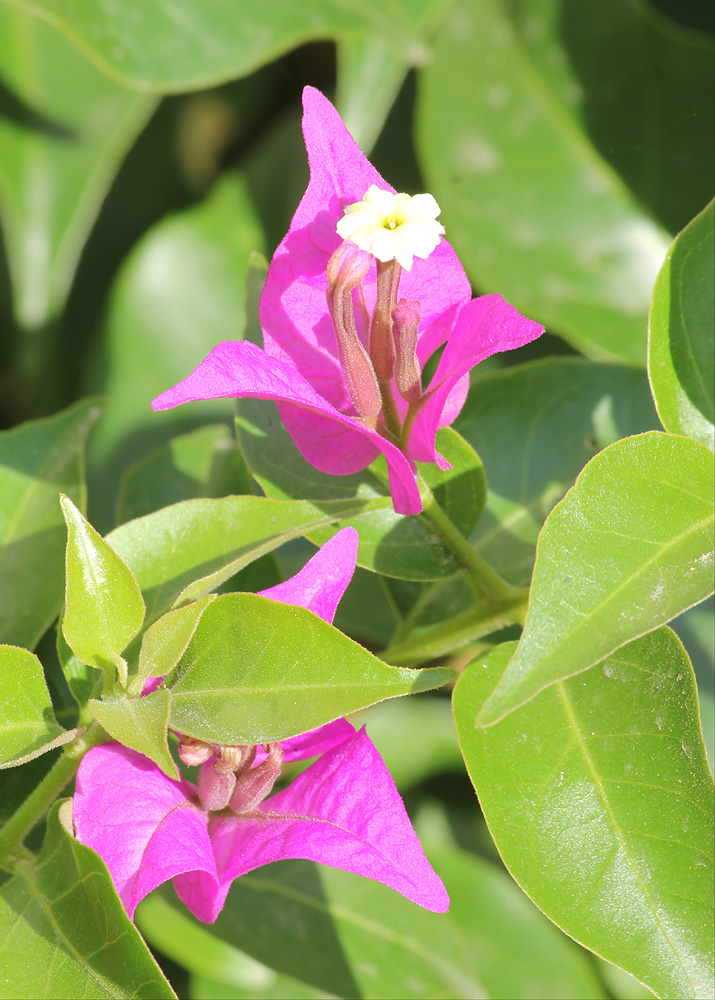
x,y
628,548
64,931
28,726
64,132
141,724
681,356
604,777
38,460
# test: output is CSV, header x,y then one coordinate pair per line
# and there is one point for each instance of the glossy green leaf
x,y
535,426
139,723
184,46
531,207
28,726
164,642
604,777
183,552
64,931
179,293
363,940
203,463
63,135
681,357
104,608
390,543
369,79
37,461
257,670
81,678
628,548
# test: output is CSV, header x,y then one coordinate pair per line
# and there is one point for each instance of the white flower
x,y
393,226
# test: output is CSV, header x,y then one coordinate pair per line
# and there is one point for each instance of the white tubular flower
x,y
393,226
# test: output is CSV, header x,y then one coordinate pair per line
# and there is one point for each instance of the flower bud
x,y
215,787
253,786
194,752
406,319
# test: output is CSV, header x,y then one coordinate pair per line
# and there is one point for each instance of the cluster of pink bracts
x,y
346,338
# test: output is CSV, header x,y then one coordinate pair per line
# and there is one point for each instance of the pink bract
x,y
299,366
343,810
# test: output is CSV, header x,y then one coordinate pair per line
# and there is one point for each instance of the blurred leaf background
x,y
146,151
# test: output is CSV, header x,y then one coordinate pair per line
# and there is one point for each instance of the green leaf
x,y
368,941
38,460
179,293
390,543
183,552
81,678
681,356
257,670
104,608
28,726
139,723
535,426
61,148
628,548
164,643
369,79
64,931
203,463
189,46
604,777
531,207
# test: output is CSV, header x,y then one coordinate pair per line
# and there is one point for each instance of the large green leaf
x,y
600,801
104,608
62,136
27,721
203,463
64,931
37,461
681,357
357,938
185,45
390,543
535,426
531,207
628,548
179,293
181,553
257,670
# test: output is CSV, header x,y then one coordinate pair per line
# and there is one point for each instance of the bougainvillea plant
x,y
258,652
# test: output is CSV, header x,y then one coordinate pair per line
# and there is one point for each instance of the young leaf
x,y
257,670
604,777
141,724
626,550
164,642
183,552
37,460
680,333
64,931
28,726
104,608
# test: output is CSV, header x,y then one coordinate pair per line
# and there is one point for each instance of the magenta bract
x,y
300,366
343,810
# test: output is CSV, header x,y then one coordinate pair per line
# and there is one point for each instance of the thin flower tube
x,y
343,810
346,386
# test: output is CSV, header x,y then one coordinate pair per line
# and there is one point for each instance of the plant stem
x,y
489,588
465,627
14,831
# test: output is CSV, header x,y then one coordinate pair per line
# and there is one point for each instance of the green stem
x,y
14,831
489,588
457,631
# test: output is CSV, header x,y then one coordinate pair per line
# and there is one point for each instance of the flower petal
x,y
144,826
343,811
321,583
483,327
240,369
